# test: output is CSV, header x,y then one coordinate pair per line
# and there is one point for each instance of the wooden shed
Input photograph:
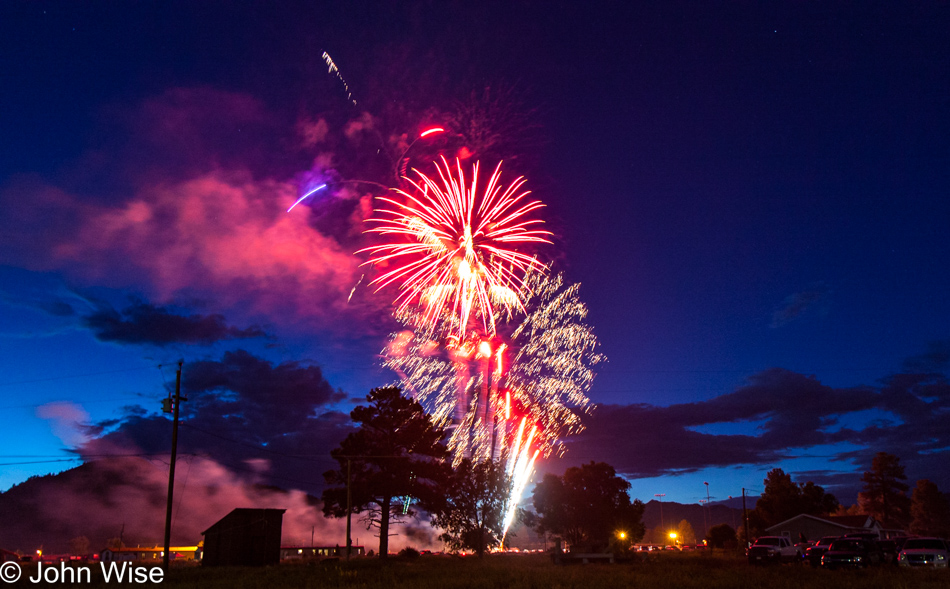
x,y
244,537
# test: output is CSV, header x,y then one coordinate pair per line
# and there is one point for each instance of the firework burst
x,y
555,351
542,373
453,245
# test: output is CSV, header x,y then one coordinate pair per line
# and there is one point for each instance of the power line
x,y
40,461
54,378
84,457
84,402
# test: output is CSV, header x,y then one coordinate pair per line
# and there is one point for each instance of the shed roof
x,y
845,522
243,512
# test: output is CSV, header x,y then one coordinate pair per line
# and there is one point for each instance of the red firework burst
x,y
454,246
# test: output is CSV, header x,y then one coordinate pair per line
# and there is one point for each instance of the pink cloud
x,y
201,215
222,235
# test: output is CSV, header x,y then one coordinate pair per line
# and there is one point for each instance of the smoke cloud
x,y
126,497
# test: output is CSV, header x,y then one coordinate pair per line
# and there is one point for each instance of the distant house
x,y
813,527
149,553
244,537
300,552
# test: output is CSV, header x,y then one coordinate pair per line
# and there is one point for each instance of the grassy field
x,y
663,571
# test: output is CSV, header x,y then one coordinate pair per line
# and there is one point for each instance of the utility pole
x,y
745,519
705,523
706,507
660,501
349,509
175,405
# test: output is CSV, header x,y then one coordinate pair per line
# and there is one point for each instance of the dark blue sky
x,y
753,197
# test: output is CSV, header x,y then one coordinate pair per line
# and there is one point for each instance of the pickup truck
x,y
768,549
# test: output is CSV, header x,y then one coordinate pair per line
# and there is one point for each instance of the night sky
x,y
753,197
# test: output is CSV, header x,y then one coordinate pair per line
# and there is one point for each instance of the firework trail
x,y
452,245
307,195
355,286
335,70
519,470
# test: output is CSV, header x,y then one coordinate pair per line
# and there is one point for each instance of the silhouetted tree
x,y
396,454
475,502
685,533
783,499
79,546
657,535
587,506
850,510
779,500
929,510
722,536
815,501
884,495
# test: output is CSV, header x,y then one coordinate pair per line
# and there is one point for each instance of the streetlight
x,y
673,537
622,537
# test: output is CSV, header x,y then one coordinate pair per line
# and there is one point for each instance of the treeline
x,y
885,496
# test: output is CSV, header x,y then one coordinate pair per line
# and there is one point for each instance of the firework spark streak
x,y
453,245
335,70
431,131
304,197
353,290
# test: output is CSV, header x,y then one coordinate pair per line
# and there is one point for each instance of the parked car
x,y
767,549
891,548
917,552
813,553
851,552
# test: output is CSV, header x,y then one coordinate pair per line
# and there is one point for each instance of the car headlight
x,y
858,559
941,557
901,556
